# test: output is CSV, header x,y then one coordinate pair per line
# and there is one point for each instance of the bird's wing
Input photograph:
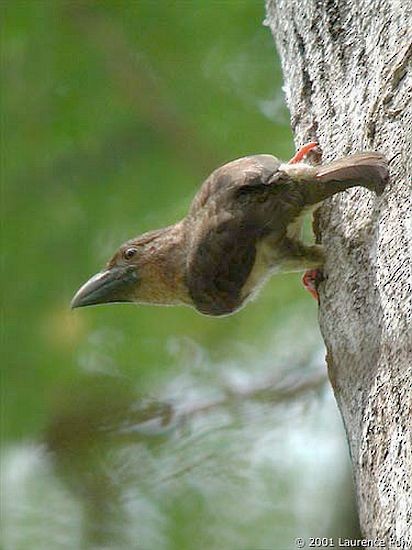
x,y
245,173
227,217
221,257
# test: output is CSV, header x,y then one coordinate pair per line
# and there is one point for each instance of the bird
x,y
243,226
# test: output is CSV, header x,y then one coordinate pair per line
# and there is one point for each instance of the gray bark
x,y
348,84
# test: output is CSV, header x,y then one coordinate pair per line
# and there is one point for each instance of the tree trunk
x,y
348,84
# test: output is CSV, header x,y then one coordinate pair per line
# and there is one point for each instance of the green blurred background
x,y
113,112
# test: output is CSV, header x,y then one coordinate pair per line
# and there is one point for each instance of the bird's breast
x,y
265,265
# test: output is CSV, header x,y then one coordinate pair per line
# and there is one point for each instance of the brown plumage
x,y
242,226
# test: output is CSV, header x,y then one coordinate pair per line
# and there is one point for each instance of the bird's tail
x,y
368,170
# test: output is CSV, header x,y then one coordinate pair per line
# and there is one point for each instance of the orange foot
x,y
310,280
303,151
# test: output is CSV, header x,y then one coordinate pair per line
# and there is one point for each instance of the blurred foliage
x,y
113,112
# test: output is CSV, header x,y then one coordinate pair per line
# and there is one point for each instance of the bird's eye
x,y
129,253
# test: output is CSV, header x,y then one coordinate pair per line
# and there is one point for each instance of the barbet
x,y
243,225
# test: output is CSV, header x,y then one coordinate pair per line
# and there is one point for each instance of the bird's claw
x,y
310,280
303,151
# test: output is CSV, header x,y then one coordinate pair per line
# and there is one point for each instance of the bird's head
x,y
147,269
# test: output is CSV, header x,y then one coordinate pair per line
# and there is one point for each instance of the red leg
x,y
309,280
311,276
303,151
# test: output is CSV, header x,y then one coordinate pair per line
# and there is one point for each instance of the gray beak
x,y
110,286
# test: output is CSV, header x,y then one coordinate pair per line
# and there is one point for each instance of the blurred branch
x,y
272,391
110,411
103,414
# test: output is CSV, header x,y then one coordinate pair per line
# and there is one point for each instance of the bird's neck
x,y
165,267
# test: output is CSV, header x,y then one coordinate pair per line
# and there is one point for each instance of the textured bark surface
x,y
348,83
